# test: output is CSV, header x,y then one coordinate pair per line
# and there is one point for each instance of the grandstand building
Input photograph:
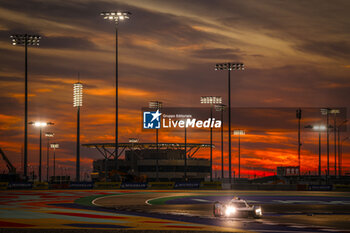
x,y
143,161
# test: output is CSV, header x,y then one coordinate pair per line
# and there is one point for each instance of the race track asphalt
x,y
155,211
283,211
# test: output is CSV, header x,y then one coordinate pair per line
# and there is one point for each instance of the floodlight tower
x,y
116,17
54,146
25,40
239,132
229,67
133,141
221,108
40,125
327,111
156,105
335,112
211,100
78,102
48,135
319,129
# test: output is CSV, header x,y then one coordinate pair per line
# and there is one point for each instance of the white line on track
x,y
147,201
201,200
330,230
269,223
298,226
99,198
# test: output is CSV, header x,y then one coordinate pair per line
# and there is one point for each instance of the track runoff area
x,y
169,210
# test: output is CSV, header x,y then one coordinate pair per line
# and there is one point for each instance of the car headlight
x,y
258,211
230,210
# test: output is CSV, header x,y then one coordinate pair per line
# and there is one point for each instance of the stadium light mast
x,y
54,146
221,108
40,125
77,103
229,67
25,40
48,135
327,111
319,129
116,17
335,112
239,132
211,100
156,105
133,141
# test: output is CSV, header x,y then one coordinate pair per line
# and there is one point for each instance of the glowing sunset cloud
x,y
296,55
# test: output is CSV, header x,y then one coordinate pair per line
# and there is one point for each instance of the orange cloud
x,y
43,90
122,91
8,122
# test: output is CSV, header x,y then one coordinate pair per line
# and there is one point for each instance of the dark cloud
x,y
64,42
81,13
330,49
220,54
11,79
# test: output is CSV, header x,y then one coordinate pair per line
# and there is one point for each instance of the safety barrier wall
x,y
20,185
41,185
280,187
59,186
341,187
210,185
161,185
215,185
130,185
3,185
81,185
107,185
320,187
111,185
187,185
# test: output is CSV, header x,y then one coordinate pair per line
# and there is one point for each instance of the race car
x,y
236,208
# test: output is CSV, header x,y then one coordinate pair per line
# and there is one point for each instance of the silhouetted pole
x,y
299,144
339,153
116,17
185,157
222,144
319,153
78,102
40,149
40,125
221,108
48,135
229,67
156,105
335,144
25,40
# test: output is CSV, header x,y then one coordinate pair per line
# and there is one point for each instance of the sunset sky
x,y
296,54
